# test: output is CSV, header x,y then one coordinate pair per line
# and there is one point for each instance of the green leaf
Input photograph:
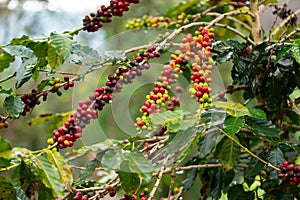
x,y
54,59
47,117
276,157
296,50
5,152
46,192
26,174
5,91
8,77
89,170
217,183
42,85
24,41
228,152
114,54
282,53
235,44
112,159
5,60
237,192
23,75
262,127
255,166
42,65
130,182
19,51
86,53
20,194
280,194
276,88
232,108
189,144
239,65
13,106
224,57
257,113
213,115
160,118
233,125
4,145
137,162
40,49
188,182
174,120
7,190
107,144
50,176
62,44
209,143
61,166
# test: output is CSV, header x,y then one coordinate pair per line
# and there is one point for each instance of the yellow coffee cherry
x,y
50,141
57,80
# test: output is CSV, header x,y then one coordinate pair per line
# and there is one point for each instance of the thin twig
x,y
234,12
172,182
159,177
83,168
178,195
286,37
293,126
236,32
294,106
232,19
284,22
235,89
266,71
76,156
133,49
207,24
266,7
248,151
198,16
204,166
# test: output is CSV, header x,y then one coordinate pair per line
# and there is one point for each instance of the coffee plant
x,y
241,142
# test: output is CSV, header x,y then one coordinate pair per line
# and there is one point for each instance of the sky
x,y
76,5
66,5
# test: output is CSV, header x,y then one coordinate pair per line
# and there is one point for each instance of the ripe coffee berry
x,y
71,130
112,193
289,172
104,14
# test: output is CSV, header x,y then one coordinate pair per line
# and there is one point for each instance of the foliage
x,y
237,149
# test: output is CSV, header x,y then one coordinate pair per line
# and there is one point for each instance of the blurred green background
x,y
38,18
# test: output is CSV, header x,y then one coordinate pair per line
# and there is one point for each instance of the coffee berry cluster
x,y
104,14
289,172
147,22
142,196
160,131
33,99
194,54
159,99
240,1
71,130
3,123
196,49
283,13
80,196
